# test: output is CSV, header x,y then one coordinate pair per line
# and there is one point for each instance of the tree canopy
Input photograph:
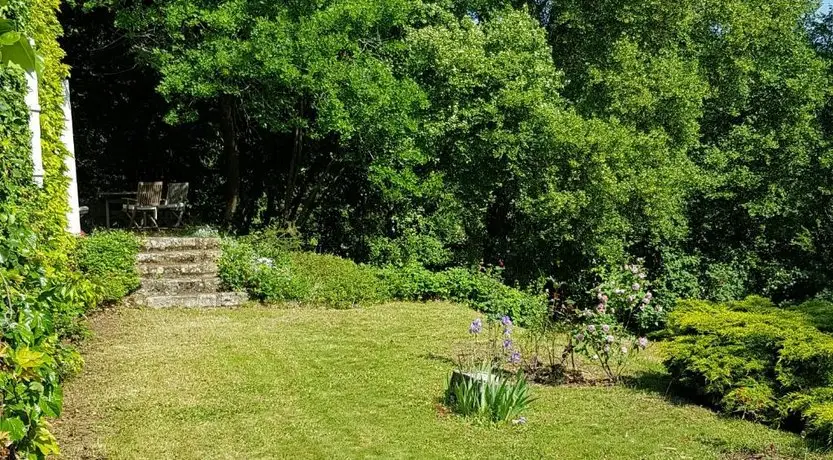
x,y
553,137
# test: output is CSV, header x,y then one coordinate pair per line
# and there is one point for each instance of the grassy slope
x,y
272,383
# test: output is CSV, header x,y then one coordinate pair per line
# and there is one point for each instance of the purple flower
x,y
507,332
476,326
602,297
610,339
507,344
643,342
506,321
579,337
591,328
635,286
601,308
605,328
515,358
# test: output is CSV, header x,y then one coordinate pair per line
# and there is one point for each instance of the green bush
x,y
108,259
819,313
414,282
480,291
271,273
269,269
265,278
338,282
752,359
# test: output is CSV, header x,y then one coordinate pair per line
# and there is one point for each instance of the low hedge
x,y
277,275
272,272
755,360
108,259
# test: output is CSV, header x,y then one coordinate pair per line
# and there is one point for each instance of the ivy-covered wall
x,y
51,215
43,296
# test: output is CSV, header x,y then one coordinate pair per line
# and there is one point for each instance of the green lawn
x,y
306,383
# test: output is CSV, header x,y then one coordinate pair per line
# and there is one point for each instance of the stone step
x,y
178,257
177,270
154,244
175,286
214,299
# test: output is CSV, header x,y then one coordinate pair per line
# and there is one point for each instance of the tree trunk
x,y
232,157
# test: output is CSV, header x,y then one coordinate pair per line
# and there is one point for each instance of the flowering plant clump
x,y
608,345
493,344
482,385
626,295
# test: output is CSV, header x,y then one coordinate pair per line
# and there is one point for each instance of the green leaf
x,y
27,358
22,54
14,426
5,26
9,38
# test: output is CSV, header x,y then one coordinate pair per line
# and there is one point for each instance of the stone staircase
x,y
181,272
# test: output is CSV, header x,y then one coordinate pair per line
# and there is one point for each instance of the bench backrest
x,y
177,193
149,194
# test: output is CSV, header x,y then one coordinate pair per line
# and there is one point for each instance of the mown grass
x,y
311,383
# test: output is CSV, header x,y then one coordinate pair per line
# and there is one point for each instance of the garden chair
x,y
176,201
148,198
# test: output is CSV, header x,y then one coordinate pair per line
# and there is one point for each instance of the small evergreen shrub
x,y
752,359
108,259
819,313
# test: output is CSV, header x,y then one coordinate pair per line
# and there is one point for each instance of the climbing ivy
x,y
42,296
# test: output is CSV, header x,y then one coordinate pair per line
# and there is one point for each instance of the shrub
x,y
481,291
752,359
414,282
108,259
268,279
819,313
269,272
337,282
625,293
608,345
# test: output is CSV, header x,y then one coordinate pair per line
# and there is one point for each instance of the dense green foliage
x,y
275,275
108,259
272,272
43,296
560,138
755,360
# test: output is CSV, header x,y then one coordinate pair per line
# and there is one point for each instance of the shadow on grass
x,y
439,358
662,384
